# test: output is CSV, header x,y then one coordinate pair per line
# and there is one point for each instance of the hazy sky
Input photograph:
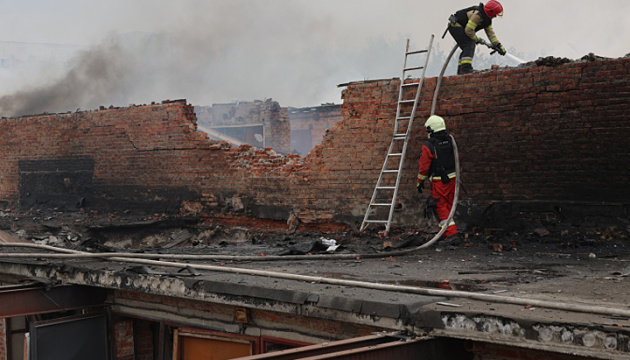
x,y
294,51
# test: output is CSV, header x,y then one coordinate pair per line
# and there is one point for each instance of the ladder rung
x,y
412,84
416,52
386,187
395,154
388,204
407,101
404,118
414,68
377,221
400,135
390,171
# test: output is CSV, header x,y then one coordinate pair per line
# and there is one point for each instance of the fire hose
x,y
127,258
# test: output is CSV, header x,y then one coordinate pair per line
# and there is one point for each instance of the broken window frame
x,y
10,331
264,340
66,320
253,341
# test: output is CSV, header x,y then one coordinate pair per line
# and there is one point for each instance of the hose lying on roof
x,y
582,308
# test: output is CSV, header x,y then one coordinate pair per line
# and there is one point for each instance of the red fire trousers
x,y
444,194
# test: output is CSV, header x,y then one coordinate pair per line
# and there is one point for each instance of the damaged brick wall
x,y
278,131
123,339
3,339
309,125
110,159
531,134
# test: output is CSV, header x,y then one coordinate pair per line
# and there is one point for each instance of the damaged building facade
x,y
263,124
532,140
309,125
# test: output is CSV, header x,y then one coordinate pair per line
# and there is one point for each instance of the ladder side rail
x,y
378,185
401,88
402,154
415,104
409,125
398,110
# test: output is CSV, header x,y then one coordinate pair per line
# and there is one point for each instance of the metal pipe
x,y
591,309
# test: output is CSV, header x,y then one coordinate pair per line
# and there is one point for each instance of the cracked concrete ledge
x,y
588,335
375,308
512,325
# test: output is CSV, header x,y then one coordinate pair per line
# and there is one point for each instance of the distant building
x,y
309,124
263,124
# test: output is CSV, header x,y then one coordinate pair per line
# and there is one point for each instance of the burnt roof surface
x,y
569,264
574,264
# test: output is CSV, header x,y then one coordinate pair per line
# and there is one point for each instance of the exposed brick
x,y
3,339
553,133
124,339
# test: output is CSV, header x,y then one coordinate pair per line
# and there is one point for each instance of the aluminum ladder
x,y
386,190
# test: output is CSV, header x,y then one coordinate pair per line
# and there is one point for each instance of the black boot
x,y
464,69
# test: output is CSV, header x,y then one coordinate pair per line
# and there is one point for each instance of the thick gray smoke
x,y
97,74
294,51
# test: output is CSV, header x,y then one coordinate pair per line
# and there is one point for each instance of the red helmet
x,y
493,8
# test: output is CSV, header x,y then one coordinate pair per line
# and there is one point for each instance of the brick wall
x,y
277,127
544,133
530,134
3,339
144,340
123,339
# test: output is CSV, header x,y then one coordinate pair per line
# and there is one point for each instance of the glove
x,y
430,208
420,187
481,41
500,49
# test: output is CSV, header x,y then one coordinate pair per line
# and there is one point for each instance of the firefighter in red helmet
x,y
437,163
463,26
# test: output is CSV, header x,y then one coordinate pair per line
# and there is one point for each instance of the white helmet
x,y
434,124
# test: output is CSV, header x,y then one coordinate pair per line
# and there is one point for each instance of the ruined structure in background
x,y
309,125
263,124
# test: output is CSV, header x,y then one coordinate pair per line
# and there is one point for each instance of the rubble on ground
x,y
100,232
551,61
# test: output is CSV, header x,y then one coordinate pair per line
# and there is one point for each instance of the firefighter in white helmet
x,y
437,164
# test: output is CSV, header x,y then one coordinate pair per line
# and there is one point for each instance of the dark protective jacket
x,y
473,19
438,158
463,17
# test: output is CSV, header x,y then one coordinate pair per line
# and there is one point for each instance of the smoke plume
x,y
98,74
294,51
